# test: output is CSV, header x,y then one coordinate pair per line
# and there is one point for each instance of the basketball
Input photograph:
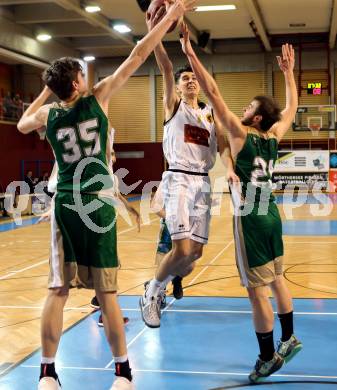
x,y
157,11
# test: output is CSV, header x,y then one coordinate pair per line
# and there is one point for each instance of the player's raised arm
x,y
286,63
225,153
170,99
209,86
36,114
111,84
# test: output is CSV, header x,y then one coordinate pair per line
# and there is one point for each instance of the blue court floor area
x,y
203,343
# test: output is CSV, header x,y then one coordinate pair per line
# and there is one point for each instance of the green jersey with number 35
x,y
254,166
78,136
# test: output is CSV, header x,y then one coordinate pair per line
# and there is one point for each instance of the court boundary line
x,y
79,308
222,373
11,273
173,300
16,364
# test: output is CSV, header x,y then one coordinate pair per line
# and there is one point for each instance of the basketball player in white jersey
x,y
190,147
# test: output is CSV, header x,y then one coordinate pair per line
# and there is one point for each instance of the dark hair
x,y
180,71
60,75
269,110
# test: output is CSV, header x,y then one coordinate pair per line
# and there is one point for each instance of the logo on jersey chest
x,y
209,118
196,135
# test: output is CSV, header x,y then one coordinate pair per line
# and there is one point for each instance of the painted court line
x,y
7,369
173,300
46,261
23,269
141,332
302,376
303,313
211,262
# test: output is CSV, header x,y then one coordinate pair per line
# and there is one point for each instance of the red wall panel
x,y
149,168
15,147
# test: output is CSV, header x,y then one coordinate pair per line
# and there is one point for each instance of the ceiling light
x,y
89,58
122,28
92,8
43,37
204,8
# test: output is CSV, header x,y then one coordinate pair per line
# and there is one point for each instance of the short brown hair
x,y
269,110
60,75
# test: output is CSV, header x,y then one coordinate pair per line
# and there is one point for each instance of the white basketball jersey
x,y
189,141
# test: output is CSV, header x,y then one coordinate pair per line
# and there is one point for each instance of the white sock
x,y
45,360
121,359
165,282
153,289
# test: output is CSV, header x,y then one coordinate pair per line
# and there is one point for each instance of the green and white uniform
x,y
164,239
83,247
258,227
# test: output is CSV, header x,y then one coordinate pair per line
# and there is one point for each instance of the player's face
x,y
249,118
188,84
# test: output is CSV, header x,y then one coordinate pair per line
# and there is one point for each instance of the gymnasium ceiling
x,y
253,20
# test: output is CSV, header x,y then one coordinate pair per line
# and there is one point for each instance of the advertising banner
x,y
302,161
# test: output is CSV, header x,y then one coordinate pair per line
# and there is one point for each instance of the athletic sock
x,y
123,369
166,282
177,279
48,369
266,344
287,325
153,289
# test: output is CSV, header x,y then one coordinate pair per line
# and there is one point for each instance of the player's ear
x,y
257,118
75,85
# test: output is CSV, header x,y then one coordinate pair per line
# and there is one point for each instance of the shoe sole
x,y
141,310
95,306
293,353
178,296
262,378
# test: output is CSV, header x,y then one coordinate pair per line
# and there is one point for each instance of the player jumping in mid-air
x,y
190,145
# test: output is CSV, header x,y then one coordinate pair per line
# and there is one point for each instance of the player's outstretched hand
x,y
185,39
286,62
177,8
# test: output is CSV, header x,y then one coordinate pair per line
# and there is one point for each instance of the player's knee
x,y
197,254
277,283
60,292
257,296
182,253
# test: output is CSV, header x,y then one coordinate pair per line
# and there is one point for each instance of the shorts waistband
x,y
188,172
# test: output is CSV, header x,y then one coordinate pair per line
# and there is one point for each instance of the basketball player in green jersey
x,y
83,242
258,234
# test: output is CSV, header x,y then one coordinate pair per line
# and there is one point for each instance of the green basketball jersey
x,y
78,136
254,166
